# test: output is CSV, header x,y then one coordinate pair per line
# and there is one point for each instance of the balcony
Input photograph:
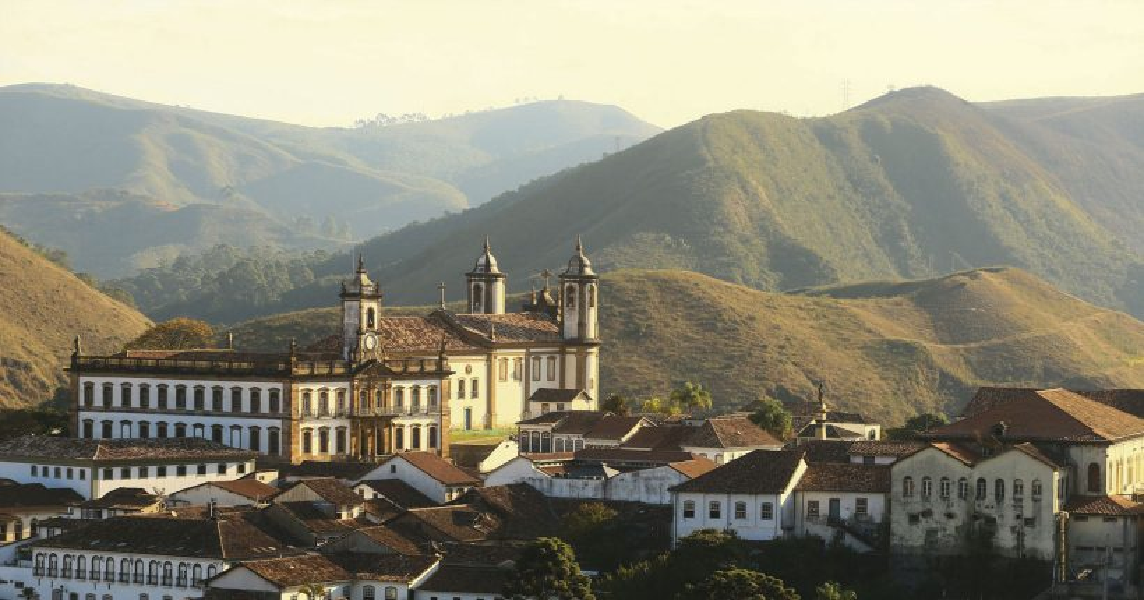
x,y
397,411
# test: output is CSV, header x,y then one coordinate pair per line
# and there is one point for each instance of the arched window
x,y
139,571
477,298
181,580
370,318
927,487
81,567
1094,484
999,490
570,296
415,438
96,568
109,570
168,574
1035,489
197,576
982,488
69,565
153,573
368,593
591,296
124,570
307,441
944,488
907,487
1018,489
963,488
212,571
53,565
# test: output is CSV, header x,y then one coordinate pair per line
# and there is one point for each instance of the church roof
x,y
486,262
512,327
579,263
461,332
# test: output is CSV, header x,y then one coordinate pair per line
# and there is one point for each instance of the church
x,y
381,385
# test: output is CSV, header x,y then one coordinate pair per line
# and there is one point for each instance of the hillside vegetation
x,y
888,349
914,184
45,306
71,151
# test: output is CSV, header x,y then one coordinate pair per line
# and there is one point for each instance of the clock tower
x,y
361,312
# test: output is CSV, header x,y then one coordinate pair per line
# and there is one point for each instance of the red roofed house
x,y
436,478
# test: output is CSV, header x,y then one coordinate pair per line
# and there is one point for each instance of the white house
x,y
464,582
94,467
569,479
436,478
236,492
129,558
847,501
753,495
342,576
721,439
570,430
483,457
1104,533
23,506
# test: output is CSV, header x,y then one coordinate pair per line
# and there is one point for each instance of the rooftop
x,y
124,498
48,448
730,432
398,492
29,495
383,567
251,489
472,579
223,538
1103,505
1045,415
293,571
331,490
438,468
760,472
838,477
555,396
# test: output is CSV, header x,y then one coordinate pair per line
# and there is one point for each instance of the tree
x,y
771,415
547,569
833,591
616,404
917,424
660,406
585,520
741,584
313,591
177,334
691,396
597,536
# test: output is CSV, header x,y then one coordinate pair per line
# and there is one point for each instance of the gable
x,y
242,578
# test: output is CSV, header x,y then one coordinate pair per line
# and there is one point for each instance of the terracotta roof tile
x,y
333,491
885,448
29,495
391,539
225,538
294,571
384,567
247,488
695,467
760,472
38,446
471,579
730,432
1103,505
1046,415
961,452
556,396
513,327
399,493
837,477
663,437
438,468
624,455
123,498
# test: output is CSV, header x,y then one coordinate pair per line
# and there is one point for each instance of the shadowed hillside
x,y
913,184
887,349
45,306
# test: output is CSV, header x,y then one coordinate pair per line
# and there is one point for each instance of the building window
x,y
415,437
551,368
460,389
255,440
474,389
108,392
324,440
323,403
107,430
907,487
235,436
399,437
88,393
714,509
144,396
861,506
340,405
570,297
927,487
944,488
181,471
433,437
1018,489
415,398
216,433
144,472
200,397
368,593
236,400
255,400
503,369
181,397
432,390
168,574
275,407
197,576
307,406
125,472
161,396
962,488
399,397
740,510
812,509
88,429
766,511
125,394
1035,489
139,573
181,581
536,368
307,441
180,430
340,440
1094,478
199,430
216,398
201,470
999,490
125,429
981,489
144,430
161,471
272,441
517,368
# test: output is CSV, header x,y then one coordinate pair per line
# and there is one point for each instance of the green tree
x,y
833,591
691,396
600,539
917,424
616,404
740,584
177,334
585,520
313,591
547,569
660,406
771,415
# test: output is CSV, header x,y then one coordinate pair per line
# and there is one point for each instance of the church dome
x,y
486,262
579,264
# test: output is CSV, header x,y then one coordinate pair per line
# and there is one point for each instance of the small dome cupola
x,y
579,264
486,262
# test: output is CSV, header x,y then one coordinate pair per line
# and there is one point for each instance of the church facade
x,y
381,385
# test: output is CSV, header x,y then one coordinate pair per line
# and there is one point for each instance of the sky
x,y
331,62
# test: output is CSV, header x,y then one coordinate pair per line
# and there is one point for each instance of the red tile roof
x,y
438,468
333,491
384,567
730,432
224,538
1046,415
294,571
1103,505
398,492
190,449
760,472
247,488
695,467
838,477
390,539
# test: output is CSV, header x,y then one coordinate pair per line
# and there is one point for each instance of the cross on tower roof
x,y
441,288
546,274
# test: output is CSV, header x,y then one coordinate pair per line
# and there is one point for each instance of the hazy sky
x,y
330,62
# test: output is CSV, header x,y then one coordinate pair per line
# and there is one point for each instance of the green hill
x,y
888,349
63,145
45,306
914,184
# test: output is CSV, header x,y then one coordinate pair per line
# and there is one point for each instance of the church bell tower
x,y
361,312
485,284
579,285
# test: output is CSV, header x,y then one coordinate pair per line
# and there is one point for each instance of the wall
x,y
398,468
514,471
1107,544
205,494
120,591
753,527
649,486
89,488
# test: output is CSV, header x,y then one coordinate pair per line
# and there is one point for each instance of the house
x,y
315,511
346,472
1103,535
511,513
597,480
546,400
24,505
723,439
482,458
464,582
119,502
377,539
237,492
347,576
848,502
94,467
389,497
571,430
752,495
436,478
127,558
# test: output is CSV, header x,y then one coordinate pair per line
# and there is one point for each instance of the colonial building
x,y
379,386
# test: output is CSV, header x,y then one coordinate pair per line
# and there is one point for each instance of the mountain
x,y
887,349
44,307
914,184
62,145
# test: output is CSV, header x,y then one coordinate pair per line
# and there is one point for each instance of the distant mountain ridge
x,y
62,141
887,349
912,184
